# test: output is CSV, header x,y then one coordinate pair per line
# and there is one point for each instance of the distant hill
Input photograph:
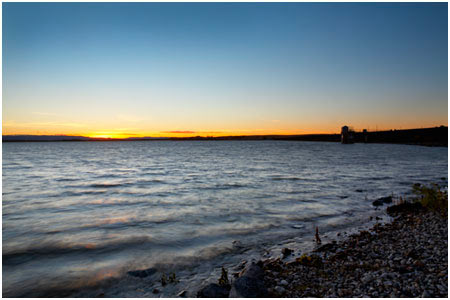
x,y
436,136
42,138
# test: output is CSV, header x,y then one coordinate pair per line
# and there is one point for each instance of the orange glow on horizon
x,y
179,134
129,133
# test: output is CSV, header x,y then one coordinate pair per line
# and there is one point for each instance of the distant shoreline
x,y
436,136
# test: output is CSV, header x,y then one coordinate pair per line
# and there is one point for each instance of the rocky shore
x,y
405,258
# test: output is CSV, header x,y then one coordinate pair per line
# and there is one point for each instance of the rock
x,y
280,290
241,265
213,290
250,284
403,270
248,287
286,252
326,247
283,282
442,274
405,207
412,254
425,294
367,278
382,200
387,284
377,202
254,271
155,291
142,273
386,199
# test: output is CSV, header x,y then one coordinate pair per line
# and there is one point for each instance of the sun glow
x,y
177,134
109,135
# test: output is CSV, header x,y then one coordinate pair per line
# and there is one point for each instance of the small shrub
x,y
310,261
318,241
223,280
173,278
304,259
163,279
432,197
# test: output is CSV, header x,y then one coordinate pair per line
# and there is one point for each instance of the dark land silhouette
x,y
435,136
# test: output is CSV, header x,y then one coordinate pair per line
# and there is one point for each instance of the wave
x,y
112,203
150,181
81,193
58,249
108,185
311,217
87,285
226,186
117,184
286,178
109,176
19,256
380,178
66,179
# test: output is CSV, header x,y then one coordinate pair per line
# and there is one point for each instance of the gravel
x,y
405,258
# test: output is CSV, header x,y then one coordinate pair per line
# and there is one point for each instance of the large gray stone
x,y
250,284
213,290
142,273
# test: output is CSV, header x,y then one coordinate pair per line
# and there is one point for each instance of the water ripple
x,y
87,206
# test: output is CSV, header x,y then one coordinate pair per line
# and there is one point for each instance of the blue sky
x,y
147,68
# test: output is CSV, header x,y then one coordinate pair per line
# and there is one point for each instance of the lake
x,y
82,214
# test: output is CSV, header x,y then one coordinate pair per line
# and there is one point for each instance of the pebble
x,y
425,294
283,282
182,294
280,289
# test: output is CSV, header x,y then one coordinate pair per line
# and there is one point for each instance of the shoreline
x,y
407,257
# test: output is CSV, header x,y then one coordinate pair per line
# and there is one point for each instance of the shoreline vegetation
x,y
436,136
407,257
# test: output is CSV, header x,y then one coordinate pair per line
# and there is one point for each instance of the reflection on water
x,y
82,212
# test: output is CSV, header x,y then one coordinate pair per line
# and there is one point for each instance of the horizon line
x,y
192,133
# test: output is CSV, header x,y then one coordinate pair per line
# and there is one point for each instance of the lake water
x,y
83,214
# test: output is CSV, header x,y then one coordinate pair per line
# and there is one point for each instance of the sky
x,y
211,69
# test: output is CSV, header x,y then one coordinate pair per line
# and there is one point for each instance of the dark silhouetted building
x,y
346,135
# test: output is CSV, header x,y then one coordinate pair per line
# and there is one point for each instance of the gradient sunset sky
x,y
182,69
